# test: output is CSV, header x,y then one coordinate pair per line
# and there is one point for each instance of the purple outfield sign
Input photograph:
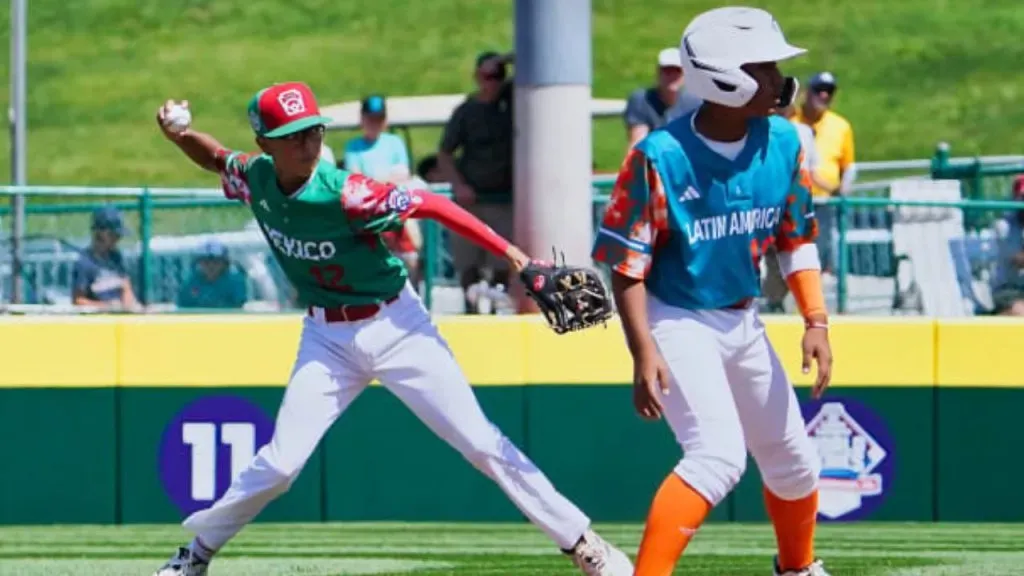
x,y
857,457
206,445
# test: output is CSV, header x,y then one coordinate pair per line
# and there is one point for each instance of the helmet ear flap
x,y
790,88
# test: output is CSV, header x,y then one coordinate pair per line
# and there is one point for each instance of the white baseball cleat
x,y
817,568
184,563
595,557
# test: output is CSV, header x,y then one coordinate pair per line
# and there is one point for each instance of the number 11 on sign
x,y
240,437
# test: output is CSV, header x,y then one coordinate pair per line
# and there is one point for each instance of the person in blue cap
x,y
377,153
99,278
213,284
383,156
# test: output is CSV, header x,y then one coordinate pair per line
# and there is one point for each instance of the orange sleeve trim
x,y
806,288
624,269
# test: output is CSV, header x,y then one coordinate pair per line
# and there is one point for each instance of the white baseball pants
x,y
403,349
729,394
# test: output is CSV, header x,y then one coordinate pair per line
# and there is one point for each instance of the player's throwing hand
x,y
174,118
815,345
650,383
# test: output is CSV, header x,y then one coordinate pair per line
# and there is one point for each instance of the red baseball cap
x,y
1018,186
284,109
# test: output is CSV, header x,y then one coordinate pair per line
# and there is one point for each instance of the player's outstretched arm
x,y
174,120
373,206
454,217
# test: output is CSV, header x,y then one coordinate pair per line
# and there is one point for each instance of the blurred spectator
x,y
481,129
213,284
376,152
651,108
99,277
1008,279
834,138
407,244
429,170
383,156
265,274
775,288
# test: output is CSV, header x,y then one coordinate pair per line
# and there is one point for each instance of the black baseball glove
x,y
571,298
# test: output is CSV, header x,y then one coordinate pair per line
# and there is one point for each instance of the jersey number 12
x,y
329,277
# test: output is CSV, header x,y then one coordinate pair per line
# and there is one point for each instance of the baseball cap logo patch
x,y
255,122
292,102
283,109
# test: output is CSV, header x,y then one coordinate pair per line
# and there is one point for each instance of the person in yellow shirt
x,y
774,286
833,136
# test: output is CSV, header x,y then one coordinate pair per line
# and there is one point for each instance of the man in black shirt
x,y
481,131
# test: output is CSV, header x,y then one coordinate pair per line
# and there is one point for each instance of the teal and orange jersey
x,y
694,225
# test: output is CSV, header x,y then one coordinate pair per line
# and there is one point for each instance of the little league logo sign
x,y
399,200
856,454
206,445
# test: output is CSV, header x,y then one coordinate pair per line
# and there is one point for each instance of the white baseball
x,y
178,118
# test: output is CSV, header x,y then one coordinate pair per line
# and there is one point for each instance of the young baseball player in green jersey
x,y
364,322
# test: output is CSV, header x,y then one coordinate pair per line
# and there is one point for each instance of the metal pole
x,y
553,168
146,231
17,118
843,249
430,250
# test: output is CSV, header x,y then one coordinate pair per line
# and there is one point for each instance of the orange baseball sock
x,y
676,513
794,522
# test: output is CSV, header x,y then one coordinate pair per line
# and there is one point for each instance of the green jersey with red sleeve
x,y
326,235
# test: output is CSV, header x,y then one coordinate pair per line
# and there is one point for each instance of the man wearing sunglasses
x,y
833,136
475,156
364,322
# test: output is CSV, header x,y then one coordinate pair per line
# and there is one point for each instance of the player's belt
x,y
351,312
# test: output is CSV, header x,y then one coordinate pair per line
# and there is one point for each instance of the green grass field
x,y
476,550
913,72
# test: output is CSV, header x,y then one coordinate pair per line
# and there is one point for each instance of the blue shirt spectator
x,y
99,277
213,284
648,109
383,156
377,153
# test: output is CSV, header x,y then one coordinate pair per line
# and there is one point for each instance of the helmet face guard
x,y
789,91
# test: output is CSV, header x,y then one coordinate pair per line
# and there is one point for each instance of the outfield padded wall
x,y
85,405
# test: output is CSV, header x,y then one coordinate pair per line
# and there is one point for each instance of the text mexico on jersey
x,y
327,235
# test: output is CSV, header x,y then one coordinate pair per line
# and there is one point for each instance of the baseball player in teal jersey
x,y
364,322
695,206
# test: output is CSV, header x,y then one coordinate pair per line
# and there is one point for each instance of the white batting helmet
x,y
718,42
